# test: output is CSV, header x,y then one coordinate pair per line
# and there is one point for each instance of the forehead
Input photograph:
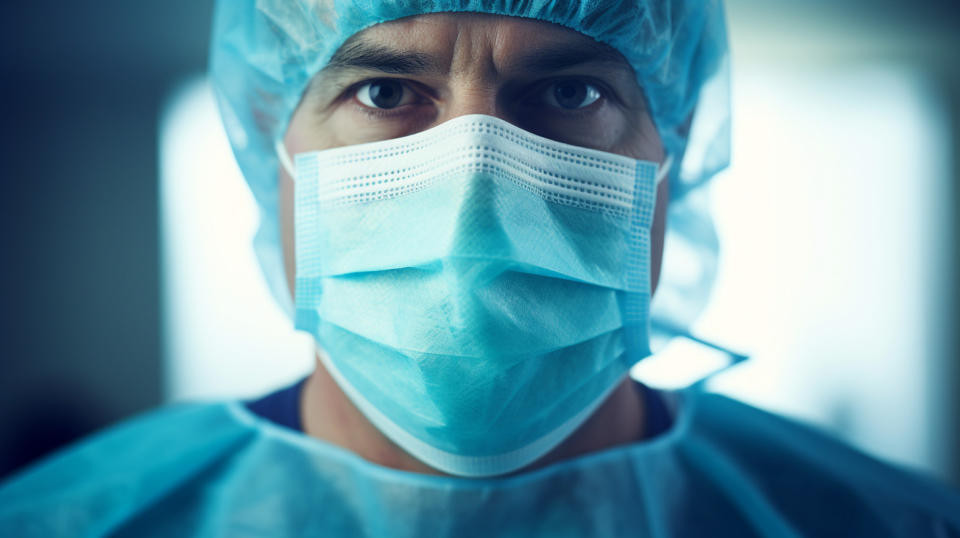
x,y
445,28
506,43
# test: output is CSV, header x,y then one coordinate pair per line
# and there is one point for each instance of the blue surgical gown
x,y
722,469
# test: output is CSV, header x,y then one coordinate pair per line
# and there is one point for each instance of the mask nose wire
x,y
284,158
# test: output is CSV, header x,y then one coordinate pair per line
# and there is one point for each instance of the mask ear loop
x,y
664,170
284,157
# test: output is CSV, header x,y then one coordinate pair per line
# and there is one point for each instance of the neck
x,y
328,414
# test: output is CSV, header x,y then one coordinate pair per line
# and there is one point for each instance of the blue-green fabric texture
x,y
724,469
477,290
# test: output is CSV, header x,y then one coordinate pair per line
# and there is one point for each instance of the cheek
x,y
317,126
640,140
348,124
603,130
306,132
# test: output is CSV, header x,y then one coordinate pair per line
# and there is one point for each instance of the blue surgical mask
x,y
476,290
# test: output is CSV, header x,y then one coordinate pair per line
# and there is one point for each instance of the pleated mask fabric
x,y
477,290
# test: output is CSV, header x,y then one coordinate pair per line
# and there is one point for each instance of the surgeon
x,y
473,208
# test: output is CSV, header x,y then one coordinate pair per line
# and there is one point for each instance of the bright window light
x,y
224,335
834,230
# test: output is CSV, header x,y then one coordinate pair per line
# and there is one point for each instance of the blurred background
x,y
127,278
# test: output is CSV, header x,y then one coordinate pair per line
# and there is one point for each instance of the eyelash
x,y
607,95
527,97
379,113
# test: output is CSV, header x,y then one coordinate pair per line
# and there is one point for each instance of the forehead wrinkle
x,y
480,52
358,54
560,56
359,58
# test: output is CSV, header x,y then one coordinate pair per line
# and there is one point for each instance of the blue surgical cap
x,y
264,53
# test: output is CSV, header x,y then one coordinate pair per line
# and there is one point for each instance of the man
x,y
470,203
404,76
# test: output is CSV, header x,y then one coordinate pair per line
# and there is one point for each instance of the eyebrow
x,y
359,55
560,57
371,57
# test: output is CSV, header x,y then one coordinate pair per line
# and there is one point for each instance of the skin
x,y
451,65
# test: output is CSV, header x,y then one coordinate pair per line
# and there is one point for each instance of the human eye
x,y
385,94
569,94
582,110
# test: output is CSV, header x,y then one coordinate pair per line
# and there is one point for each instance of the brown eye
x,y
384,94
571,94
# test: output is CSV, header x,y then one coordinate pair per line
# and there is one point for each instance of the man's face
x,y
402,77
